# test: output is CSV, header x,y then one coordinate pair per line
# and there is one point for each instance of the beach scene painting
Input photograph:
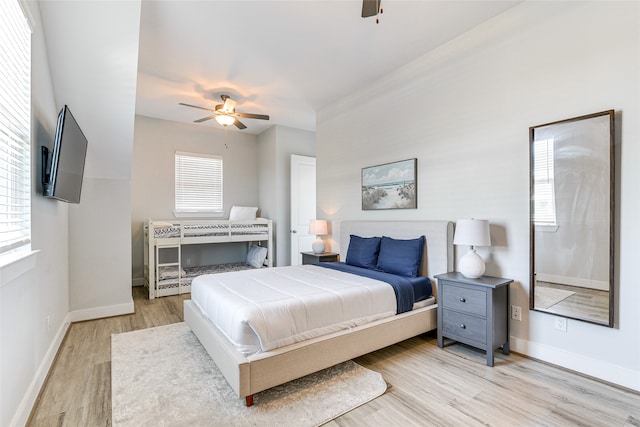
x,y
390,186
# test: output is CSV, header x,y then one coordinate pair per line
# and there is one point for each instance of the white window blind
x,y
198,183
544,207
15,126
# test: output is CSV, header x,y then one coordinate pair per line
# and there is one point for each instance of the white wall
x,y
152,178
93,57
36,306
466,109
268,185
99,250
81,41
28,342
276,145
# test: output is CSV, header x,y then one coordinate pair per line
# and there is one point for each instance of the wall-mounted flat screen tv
x,y
64,181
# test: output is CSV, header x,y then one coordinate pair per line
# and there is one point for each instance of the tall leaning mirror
x,y
572,200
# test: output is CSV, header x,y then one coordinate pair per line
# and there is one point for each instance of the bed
x,y
164,272
248,374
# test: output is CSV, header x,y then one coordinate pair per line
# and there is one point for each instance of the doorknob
x,y
294,231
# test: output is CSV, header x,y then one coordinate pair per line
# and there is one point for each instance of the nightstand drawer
x,y
465,327
463,299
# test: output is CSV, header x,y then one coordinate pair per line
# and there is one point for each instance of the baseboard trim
x,y
573,281
100,312
28,401
23,411
138,282
594,368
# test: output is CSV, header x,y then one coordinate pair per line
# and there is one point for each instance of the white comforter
x,y
262,309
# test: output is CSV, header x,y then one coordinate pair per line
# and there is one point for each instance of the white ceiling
x,y
288,59
110,60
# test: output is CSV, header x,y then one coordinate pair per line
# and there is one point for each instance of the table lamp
x,y
319,228
472,232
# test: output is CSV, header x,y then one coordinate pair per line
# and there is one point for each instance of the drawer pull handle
x,y
462,299
463,326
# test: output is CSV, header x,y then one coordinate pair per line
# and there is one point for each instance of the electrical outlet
x,y
48,323
561,324
516,312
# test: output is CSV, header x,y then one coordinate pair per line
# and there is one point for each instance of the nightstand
x,y
311,257
474,312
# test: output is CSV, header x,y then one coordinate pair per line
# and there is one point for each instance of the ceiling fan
x,y
226,114
371,8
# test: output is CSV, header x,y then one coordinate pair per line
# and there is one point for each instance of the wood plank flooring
x,y
429,385
590,304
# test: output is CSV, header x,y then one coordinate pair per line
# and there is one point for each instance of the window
x,y
15,128
198,183
544,206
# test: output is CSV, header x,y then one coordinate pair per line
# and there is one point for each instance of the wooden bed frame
x,y
252,374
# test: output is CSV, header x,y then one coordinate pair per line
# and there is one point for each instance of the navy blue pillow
x,y
401,257
363,251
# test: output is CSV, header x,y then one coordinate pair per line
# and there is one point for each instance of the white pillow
x,y
239,213
256,256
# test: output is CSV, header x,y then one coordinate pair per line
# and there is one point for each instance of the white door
x,y
303,204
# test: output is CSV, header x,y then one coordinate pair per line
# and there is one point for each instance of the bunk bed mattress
x,y
263,309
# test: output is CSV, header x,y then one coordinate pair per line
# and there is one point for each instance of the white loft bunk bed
x,y
163,241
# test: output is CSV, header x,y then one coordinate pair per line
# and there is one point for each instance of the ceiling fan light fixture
x,y
225,120
225,114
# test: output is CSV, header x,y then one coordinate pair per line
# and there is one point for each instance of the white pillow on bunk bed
x,y
240,213
256,256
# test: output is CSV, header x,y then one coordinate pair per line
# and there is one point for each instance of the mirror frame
x,y
611,196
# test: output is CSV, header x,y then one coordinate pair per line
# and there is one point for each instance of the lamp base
x,y
472,265
317,246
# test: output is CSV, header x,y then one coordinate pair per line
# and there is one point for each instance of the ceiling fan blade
x,y
195,106
204,119
239,124
253,116
370,8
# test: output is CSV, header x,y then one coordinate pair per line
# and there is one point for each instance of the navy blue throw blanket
x,y
402,286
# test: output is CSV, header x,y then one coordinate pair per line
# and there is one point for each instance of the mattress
x,y
263,309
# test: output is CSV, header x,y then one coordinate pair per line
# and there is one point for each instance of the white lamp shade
x,y
318,227
472,232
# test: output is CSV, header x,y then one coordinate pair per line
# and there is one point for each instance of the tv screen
x,y
67,160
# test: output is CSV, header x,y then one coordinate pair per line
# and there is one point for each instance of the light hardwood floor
x,y
585,303
429,385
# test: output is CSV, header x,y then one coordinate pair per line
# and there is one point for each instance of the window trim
x,y
16,264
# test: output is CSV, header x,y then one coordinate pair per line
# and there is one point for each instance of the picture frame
x,y
390,185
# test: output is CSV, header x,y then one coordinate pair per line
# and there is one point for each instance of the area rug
x,y
164,377
548,297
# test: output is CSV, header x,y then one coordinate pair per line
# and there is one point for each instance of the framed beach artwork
x,y
390,186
